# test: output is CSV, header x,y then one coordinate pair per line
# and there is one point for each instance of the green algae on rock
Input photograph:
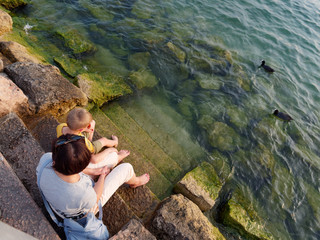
x,y
209,81
223,137
102,88
12,4
237,116
186,107
71,66
143,79
143,9
97,10
179,53
139,60
221,165
74,41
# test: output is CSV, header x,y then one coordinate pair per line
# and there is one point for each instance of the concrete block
x,y
18,210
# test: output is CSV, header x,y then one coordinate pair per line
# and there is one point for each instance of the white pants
x,y
118,176
111,160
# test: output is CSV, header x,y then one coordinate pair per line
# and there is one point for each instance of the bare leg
x,y
123,154
138,181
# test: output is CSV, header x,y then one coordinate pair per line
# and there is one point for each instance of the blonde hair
x,y
78,118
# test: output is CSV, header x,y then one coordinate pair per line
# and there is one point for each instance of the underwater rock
x,y
207,81
241,77
304,152
71,66
143,9
186,106
97,9
238,116
187,87
143,79
201,186
101,89
179,53
223,137
139,60
208,65
5,22
12,4
179,218
221,165
313,196
74,41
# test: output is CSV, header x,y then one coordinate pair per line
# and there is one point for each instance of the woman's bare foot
x,y
141,180
123,154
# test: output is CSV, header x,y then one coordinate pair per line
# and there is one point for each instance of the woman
x,y
71,193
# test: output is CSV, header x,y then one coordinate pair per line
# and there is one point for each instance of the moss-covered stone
x,y
97,10
307,154
143,9
101,89
313,196
241,77
207,81
143,79
74,41
12,4
71,66
221,165
223,137
240,214
201,185
179,53
186,107
237,116
139,60
205,64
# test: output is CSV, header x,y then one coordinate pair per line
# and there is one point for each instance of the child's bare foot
x,y
123,154
141,180
115,138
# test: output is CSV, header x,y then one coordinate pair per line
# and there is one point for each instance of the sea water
x,y
278,162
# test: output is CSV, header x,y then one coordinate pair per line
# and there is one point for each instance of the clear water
x,y
284,33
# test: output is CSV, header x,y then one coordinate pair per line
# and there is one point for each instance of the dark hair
x,y
70,154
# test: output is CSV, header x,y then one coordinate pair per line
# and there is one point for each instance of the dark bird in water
x,y
282,116
266,67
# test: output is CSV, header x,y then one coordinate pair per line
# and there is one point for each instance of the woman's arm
x,y
98,187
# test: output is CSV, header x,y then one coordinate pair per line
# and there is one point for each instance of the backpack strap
x,y
46,204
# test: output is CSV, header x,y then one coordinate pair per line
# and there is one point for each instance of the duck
x,y
266,67
283,116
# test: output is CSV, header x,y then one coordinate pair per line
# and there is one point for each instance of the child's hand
x,y
115,139
105,170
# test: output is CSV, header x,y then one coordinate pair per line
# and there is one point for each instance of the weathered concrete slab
x,y
43,130
15,52
140,200
134,230
22,151
19,210
116,214
47,90
10,233
201,186
179,218
5,22
12,99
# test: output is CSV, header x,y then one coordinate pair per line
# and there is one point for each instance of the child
x,y
80,122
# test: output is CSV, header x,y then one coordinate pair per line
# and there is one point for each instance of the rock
x,y
221,165
237,116
101,89
143,79
47,90
97,10
22,152
15,52
207,81
143,9
139,60
223,137
11,4
133,230
5,22
179,218
74,41
186,107
201,186
180,54
71,66
1,65
17,207
12,99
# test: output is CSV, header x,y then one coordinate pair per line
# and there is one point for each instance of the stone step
x,y
11,233
166,127
158,183
18,209
142,141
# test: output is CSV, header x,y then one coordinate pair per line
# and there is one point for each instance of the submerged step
x,y
18,209
158,183
143,142
166,127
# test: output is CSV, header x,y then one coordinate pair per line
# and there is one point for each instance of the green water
x,y
209,93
